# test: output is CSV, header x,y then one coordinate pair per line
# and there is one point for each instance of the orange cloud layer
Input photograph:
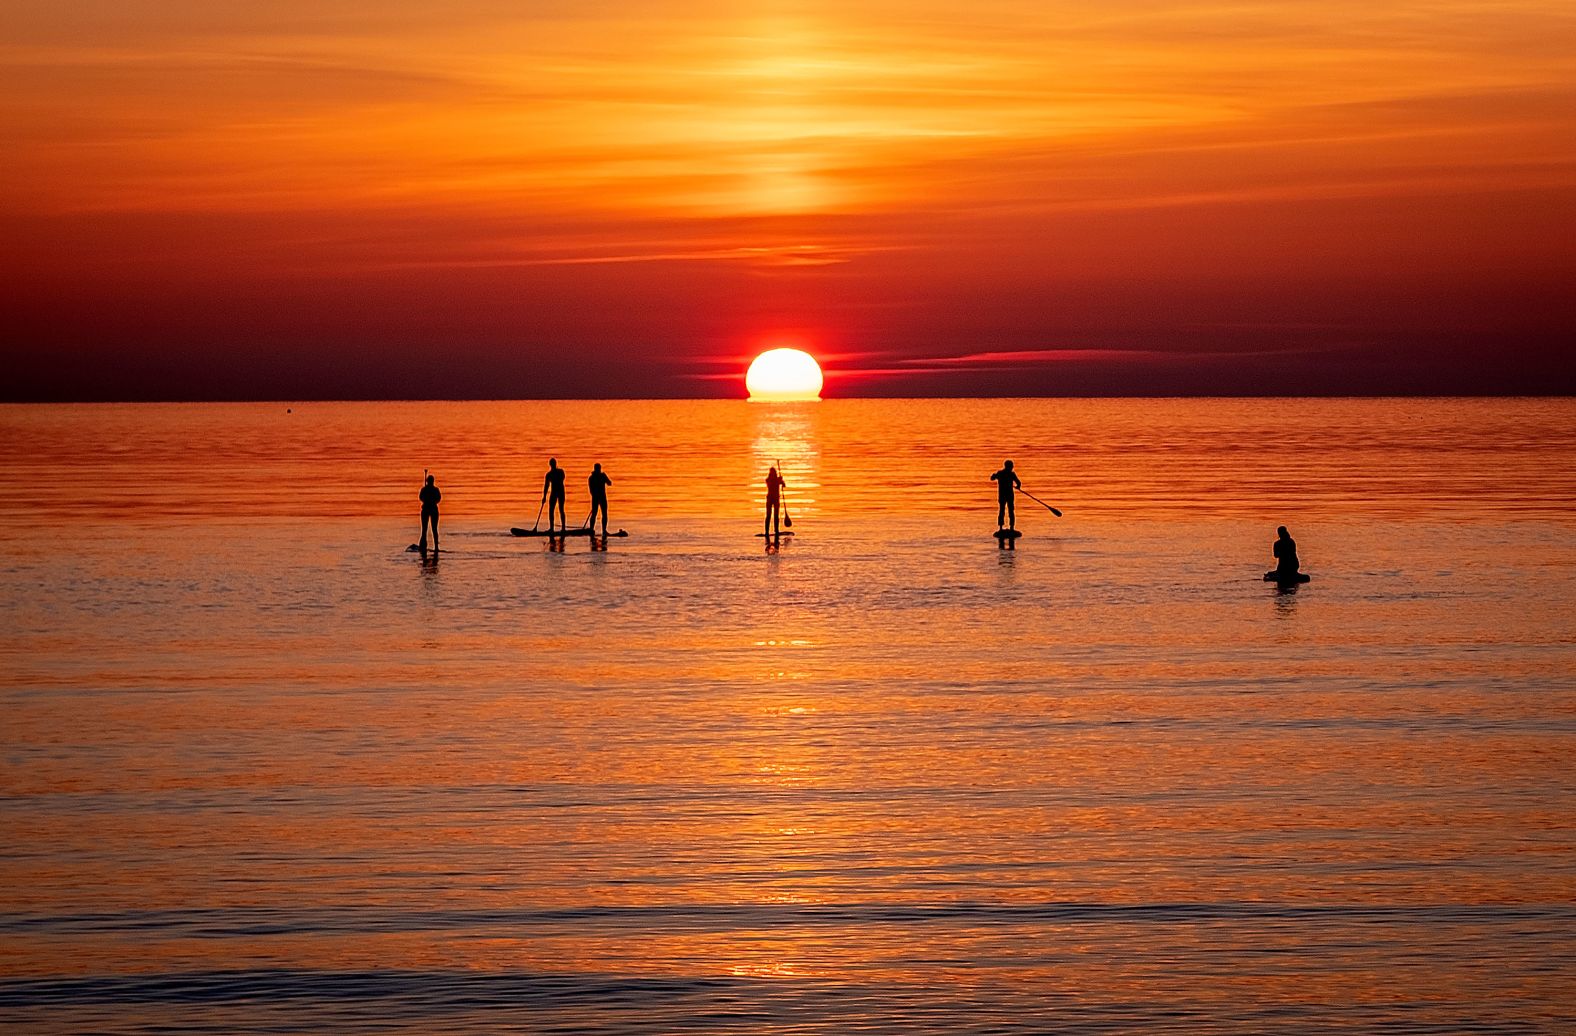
x,y
853,163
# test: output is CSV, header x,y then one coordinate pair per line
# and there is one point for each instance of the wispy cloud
x,y
765,256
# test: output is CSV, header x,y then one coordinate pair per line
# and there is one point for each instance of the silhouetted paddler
x,y
553,493
774,484
429,512
1285,550
1006,511
599,483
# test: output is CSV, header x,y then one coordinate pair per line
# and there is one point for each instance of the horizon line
x,y
239,401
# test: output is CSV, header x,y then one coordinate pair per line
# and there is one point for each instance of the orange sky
x,y
216,198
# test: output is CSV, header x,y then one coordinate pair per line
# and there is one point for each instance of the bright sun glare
x,y
784,374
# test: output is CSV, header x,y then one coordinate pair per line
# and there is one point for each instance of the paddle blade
x,y
1056,512
788,521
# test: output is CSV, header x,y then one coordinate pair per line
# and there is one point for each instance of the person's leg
x,y
425,518
435,530
1001,512
1012,514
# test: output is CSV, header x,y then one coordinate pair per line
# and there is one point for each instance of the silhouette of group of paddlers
x,y
553,497
1008,485
554,500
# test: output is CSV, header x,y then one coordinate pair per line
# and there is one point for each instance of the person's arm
x,y
993,477
1016,480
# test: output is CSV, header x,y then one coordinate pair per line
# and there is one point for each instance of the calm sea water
x,y
262,770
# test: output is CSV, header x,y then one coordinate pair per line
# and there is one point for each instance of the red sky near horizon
x,y
217,199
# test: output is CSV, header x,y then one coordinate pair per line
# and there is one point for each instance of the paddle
x,y
1037,500
539,507
781,500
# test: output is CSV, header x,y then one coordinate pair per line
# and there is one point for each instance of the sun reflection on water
x,y
787,434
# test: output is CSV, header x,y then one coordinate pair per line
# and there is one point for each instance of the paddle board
x,y
555,534
771,535
1006,534
1275,577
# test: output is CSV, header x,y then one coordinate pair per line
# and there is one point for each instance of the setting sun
x,y
783,375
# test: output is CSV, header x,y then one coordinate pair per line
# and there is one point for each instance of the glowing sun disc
x,y
784,374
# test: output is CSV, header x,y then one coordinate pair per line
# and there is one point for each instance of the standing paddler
x,y
598,483
553,494
1006,481
774,496
429,496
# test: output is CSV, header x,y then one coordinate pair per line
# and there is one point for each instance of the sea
x,y
264,770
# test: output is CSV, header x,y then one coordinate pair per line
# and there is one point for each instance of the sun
x,y
781,375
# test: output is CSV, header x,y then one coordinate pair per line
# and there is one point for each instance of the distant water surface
x,y
261,770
